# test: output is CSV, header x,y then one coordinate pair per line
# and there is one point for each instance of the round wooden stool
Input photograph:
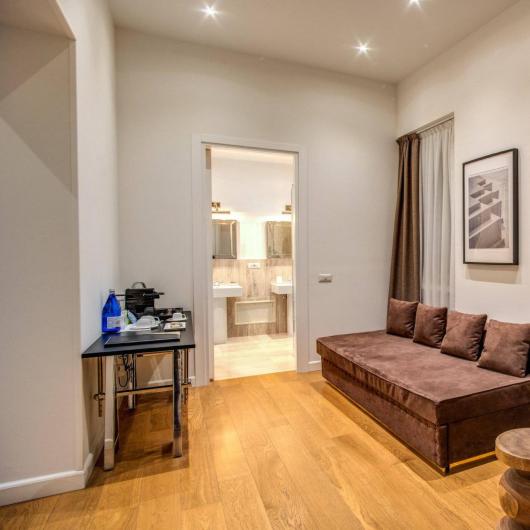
x,y
513,448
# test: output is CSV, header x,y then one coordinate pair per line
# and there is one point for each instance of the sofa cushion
x,y
401,317
463,336
430,325
438,388
506,348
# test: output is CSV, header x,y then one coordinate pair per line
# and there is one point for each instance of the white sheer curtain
x,y
436,180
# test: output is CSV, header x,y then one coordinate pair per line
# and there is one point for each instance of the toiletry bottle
x,y
111,314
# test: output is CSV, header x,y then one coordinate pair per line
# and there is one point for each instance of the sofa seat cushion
x,y
438,388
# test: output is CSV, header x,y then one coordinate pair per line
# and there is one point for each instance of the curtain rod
x,y
432,124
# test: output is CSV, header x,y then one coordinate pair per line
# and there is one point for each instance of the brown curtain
x,y
405,270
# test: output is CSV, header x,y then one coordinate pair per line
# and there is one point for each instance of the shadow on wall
x,y
94,425
40,120
493,274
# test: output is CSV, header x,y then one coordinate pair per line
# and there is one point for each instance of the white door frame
x,y
202,250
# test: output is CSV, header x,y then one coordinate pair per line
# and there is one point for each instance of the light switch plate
x,y
325,278
254,266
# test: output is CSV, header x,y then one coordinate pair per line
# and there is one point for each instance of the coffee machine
x,y
140,300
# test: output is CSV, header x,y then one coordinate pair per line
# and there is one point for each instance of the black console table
x,y
107,355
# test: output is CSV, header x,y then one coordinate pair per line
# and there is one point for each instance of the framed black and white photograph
x,y
491,220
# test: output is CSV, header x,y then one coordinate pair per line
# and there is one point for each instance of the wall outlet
x,y
325,278
254,266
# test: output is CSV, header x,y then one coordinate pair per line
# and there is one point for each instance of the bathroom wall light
x,y
216,208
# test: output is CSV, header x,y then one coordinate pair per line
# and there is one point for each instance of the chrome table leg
x,y
131,404
110,417
177,405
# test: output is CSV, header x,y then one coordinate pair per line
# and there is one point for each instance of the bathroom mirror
x,y
279,239
224,239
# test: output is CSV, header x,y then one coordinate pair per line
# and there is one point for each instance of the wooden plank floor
x,y
276,451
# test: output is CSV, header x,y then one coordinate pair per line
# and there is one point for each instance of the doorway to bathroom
x,y
252,260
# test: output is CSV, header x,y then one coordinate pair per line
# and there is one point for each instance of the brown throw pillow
x,y
401,317
463,336
430,325
506,348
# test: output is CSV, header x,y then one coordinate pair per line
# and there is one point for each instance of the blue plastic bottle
x,y
111,314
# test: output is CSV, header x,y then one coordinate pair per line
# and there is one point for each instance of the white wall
x,y
255,188
93,29
485,81
39,342
166,91
94,75
59,231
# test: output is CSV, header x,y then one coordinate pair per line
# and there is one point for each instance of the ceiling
x,y
322,33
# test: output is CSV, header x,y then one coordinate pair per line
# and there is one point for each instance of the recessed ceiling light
x,y
210,11
414,2
362,48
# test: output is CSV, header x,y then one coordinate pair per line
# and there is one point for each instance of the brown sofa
x,y
446,408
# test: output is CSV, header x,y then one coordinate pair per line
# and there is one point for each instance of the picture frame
x,y
491,209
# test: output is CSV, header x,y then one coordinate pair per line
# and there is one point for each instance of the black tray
x,y
139,337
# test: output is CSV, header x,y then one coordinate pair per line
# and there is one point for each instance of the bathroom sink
x,y
284,287
227,290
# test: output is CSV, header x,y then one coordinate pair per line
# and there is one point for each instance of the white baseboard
x,y
313,366
45,485
92,458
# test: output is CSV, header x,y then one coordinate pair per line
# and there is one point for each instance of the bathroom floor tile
x,y
254,355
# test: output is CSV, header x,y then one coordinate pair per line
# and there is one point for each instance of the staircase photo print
x,y
491,209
